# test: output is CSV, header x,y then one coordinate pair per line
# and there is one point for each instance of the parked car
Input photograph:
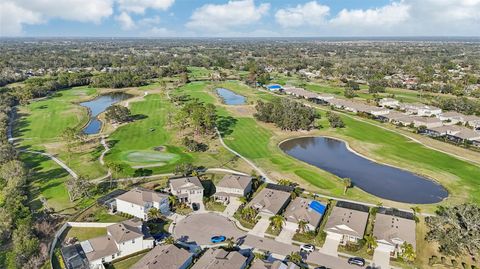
x,y
357,261
307,248
218,239
322,267
195,206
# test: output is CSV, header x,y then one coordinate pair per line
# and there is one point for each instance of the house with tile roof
x,y
233,186
139,201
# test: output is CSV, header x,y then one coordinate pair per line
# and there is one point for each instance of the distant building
x,y
347,222
420,109
427,122
188,190
139,201
122,239
274,87
452,117
277,264
165,256
389,102
233,185
301,209
271,200
220,259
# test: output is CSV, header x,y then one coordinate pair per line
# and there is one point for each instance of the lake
x,y
99,105
231,98
384,181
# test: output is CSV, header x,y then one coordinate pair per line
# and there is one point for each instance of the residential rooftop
x,y
219,259
140,196
186,183
299,209
163,256
235,181
270,200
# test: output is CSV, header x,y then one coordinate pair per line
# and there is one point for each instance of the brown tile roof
x,y
219,259
235,182
394,230
347,221
163,256
269,200
188,183
99,247
140,196
299,209
126,230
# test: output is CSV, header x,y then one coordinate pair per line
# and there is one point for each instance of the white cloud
x,y
17,13
311,13
221,18
139,6
386,16
125,21
12,17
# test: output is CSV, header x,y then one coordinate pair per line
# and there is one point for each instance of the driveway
x,y
232,207
260,227
287,233
330,247
381,257
199,228
329,261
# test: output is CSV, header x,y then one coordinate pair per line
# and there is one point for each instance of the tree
x,y
230,243
371,241
248,213
243,200
25,244
170,240
277,222
154,214
117,114
456,229
172,201
295,257
302,226
376,86
407,252
349,93
285,182
78,187
335,120
347,183
7,153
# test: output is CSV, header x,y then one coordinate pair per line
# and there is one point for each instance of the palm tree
x,y
285,182
408,253
295,257
416,210
154,214
230,243
347,183
172,200
302,225
248,213
277,222
169,240
371,241
243,199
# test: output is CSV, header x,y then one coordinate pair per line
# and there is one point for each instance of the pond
x,y
231,98
97,106
384,181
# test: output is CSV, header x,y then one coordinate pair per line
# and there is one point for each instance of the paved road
x,y
199,228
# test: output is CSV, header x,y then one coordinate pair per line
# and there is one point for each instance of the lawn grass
x,y
84,233
215,206
258,142
41,124
99,214
47,181
127,263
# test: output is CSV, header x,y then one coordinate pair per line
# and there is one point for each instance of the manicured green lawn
x,y
45,120
48,182
84,233
143,135
127,263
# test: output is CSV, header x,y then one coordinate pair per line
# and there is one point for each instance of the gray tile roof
x,y
163,256
235,182
394,229
270,201
140,196
347,221
219,259
299,209
188,183
126,230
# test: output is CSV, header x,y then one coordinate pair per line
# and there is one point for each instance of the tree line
x,y
286,114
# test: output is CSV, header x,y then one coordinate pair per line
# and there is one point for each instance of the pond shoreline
x,y
351,150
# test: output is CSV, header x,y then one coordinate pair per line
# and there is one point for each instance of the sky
x,y
238,18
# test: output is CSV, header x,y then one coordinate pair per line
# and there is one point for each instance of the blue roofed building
x,y
274,87
307,210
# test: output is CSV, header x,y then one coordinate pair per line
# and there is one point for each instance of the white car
x,y
307,248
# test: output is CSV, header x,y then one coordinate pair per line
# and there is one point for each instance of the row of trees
x,y
286,114
16,220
